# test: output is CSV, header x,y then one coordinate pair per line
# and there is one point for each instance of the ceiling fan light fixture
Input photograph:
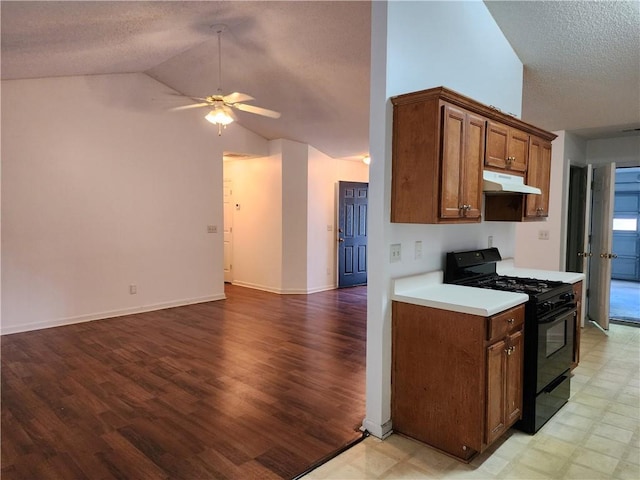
x,y
220,117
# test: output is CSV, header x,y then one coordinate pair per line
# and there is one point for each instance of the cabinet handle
x,y
464,208
511,320
510,350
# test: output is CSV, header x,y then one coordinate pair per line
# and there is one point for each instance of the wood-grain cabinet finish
x,y
577,292
456,378
507,149
538,175
438,151
442,141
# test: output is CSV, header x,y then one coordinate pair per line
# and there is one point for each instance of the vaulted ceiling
x,y
311,60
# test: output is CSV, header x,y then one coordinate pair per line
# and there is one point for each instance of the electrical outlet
x,y
133,289
212,229
395,252
418,250
543,234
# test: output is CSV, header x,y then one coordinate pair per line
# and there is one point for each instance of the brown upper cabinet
x,y
442,141
437,177
538,175
507,149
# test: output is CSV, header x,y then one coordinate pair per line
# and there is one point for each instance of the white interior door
x,y
228,231
601,241
585,251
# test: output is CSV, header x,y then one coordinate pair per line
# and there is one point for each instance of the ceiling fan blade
x,y
257,110
187,107
236,97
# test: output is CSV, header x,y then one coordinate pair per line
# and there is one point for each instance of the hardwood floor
x,y
255,386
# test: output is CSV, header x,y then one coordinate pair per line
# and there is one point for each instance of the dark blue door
x,y
353,200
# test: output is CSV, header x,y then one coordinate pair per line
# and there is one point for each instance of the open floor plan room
x,y
255,386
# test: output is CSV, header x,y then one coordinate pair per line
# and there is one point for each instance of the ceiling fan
x,y
221,106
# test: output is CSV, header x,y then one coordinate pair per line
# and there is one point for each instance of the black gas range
x,y
550,316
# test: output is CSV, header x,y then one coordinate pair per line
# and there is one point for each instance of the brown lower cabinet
x,y
456,378
577,292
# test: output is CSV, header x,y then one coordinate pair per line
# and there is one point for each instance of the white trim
x,y
380,431
109,314
279,291
322,289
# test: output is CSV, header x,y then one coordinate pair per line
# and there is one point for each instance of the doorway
x,y
603,240
353,200
625,272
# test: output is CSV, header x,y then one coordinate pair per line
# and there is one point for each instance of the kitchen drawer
x,y
504,323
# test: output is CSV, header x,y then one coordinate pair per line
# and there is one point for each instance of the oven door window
x,y
556,338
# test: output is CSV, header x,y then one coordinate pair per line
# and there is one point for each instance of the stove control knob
x,y
567,296
546,306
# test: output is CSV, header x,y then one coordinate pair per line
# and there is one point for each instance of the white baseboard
x,y
377,430
255,286
322,289
283,291
108,314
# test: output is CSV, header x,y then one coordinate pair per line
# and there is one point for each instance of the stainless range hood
x,y
495,182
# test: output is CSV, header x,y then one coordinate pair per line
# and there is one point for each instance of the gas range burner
x,y
520,285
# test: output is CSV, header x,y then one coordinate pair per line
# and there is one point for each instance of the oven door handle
x,y
552,386
554,316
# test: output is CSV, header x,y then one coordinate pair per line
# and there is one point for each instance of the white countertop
x,y
506,267
428,290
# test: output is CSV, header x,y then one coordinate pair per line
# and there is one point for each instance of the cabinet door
x,y
504,385
497,145
496,374
507,148
473,158
453,139
538,175
462,155
513,377
518,151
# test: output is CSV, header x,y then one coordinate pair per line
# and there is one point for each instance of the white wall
x,y
102,188
294,216
624,151
418,45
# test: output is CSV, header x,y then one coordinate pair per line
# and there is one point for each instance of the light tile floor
x,y
596,435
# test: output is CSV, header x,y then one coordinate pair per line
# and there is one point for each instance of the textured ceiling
x,y
581,63
311,60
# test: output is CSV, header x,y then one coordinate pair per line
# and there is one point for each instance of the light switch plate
x,y
418,250
395,252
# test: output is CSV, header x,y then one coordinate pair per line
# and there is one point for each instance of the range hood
x,y
495,182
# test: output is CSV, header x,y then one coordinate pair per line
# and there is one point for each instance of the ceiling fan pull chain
x,y
220,61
